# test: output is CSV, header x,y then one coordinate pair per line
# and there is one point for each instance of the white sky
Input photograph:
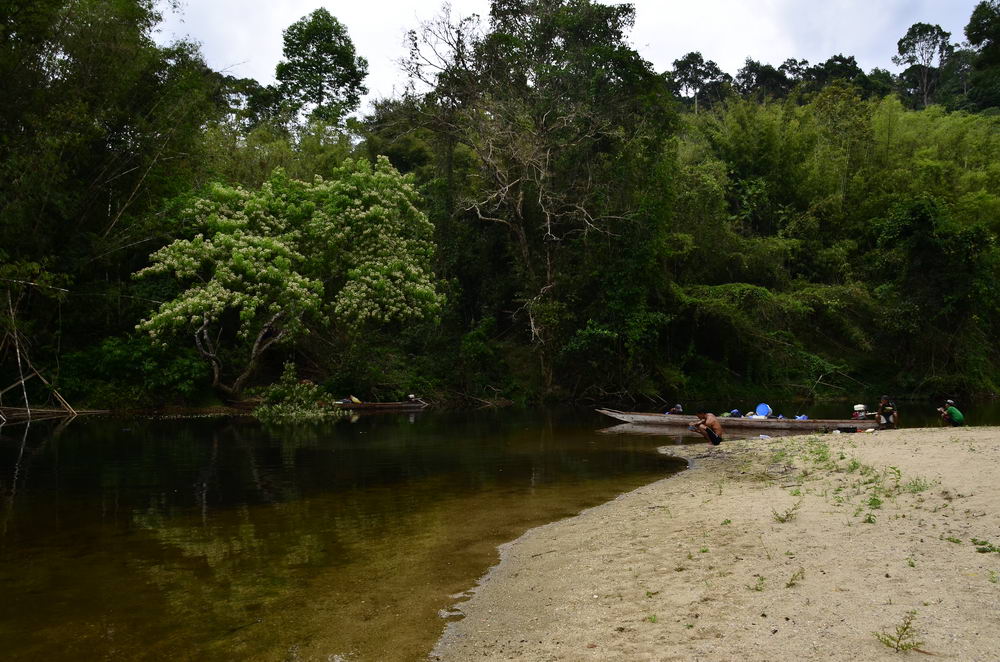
x,y
243,37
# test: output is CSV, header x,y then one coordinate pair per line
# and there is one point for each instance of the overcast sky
x,y
243,37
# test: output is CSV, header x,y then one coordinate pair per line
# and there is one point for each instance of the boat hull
x,y
674,420
382,406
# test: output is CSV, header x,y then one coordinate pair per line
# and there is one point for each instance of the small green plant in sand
x,y
795,492
786,515
874,502
994,577
957,541
650,594
910,562
796,577
869,518
703,550
726,522
905,636
985,546
895,474
758,585
917,485
689,625
818,452
651,618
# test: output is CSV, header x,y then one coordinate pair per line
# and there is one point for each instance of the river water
x,y
216,539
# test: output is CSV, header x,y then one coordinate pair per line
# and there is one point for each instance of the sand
x,y
698,567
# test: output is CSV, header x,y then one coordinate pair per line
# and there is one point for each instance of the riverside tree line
x,y
541,214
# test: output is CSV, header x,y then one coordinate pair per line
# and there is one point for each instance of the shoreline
x,y
698,565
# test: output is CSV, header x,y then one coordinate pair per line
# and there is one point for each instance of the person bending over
x,y
951,415
709,427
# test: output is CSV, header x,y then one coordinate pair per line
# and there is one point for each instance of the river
x,y
217,539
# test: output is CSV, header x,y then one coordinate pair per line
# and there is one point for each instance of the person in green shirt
x,y
951,415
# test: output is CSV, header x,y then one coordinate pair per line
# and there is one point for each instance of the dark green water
x,y
213,539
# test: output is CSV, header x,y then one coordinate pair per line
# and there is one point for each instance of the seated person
x,y
886,414
676,409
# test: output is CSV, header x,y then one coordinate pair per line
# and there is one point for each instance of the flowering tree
x,y
264,266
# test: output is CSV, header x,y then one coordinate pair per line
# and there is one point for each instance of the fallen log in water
x,y
18,414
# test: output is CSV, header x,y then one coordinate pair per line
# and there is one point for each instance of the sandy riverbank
x,y
698,567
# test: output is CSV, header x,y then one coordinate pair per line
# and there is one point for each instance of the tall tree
x,y
925,47
565,121
794,69
268,266
695,75
983,33
321,71
99,124
837,67
759,80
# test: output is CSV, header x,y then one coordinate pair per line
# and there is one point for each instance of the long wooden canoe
x,y
405,405
683,420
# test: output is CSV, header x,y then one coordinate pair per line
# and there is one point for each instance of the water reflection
x,y
217,540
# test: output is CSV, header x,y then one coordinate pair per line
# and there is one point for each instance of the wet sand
x,y
700,566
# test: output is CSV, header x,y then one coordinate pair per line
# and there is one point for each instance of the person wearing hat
x,y
951,415
886,414
676,409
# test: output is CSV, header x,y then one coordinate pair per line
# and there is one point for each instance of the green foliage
x,y
320,70
924,47
132,372
904,637
99,124
796,577
266,266
788,514
985,546
291,400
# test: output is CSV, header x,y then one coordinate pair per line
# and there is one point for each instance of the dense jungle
x,y
540,216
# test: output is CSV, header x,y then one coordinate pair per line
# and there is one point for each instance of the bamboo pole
x,y
17,349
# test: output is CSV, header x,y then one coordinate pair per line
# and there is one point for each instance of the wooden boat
x,y
679,432
406,405
682,420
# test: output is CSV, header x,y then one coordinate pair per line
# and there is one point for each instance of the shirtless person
x,y
708,427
